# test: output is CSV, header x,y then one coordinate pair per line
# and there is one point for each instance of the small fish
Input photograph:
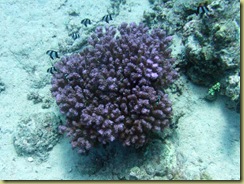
x,y
85,22
158,99
66,76
202,9
52,70
75,35
53,54
107,18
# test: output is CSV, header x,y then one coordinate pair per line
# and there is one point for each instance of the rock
x,y
137,174
210,97
30,159
49,166
150,169
35,97
36,135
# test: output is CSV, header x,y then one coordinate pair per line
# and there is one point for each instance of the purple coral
x,y
112,90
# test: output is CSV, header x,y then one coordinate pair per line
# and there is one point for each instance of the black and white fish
x,y
75,35
85,22
53,54
52,70
202,9
107,18
67,77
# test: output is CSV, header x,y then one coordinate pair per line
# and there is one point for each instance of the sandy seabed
x,y
208,135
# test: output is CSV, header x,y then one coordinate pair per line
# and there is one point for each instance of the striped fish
x,y
107,18
52,70
53,54
85,22
202,9
75,35
67,77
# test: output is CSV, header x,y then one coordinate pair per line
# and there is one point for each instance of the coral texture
x,y
207,47
113,89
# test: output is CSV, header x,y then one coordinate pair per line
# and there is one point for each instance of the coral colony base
x,y
114,88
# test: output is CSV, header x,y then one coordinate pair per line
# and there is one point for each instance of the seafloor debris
x,y
36,135
35,97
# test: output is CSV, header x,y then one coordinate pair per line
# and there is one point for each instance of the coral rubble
x,y
36,135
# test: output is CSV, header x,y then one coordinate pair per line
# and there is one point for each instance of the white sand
x,y
207,139
208,136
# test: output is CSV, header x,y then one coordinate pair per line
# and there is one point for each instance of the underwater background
x,y
202,141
